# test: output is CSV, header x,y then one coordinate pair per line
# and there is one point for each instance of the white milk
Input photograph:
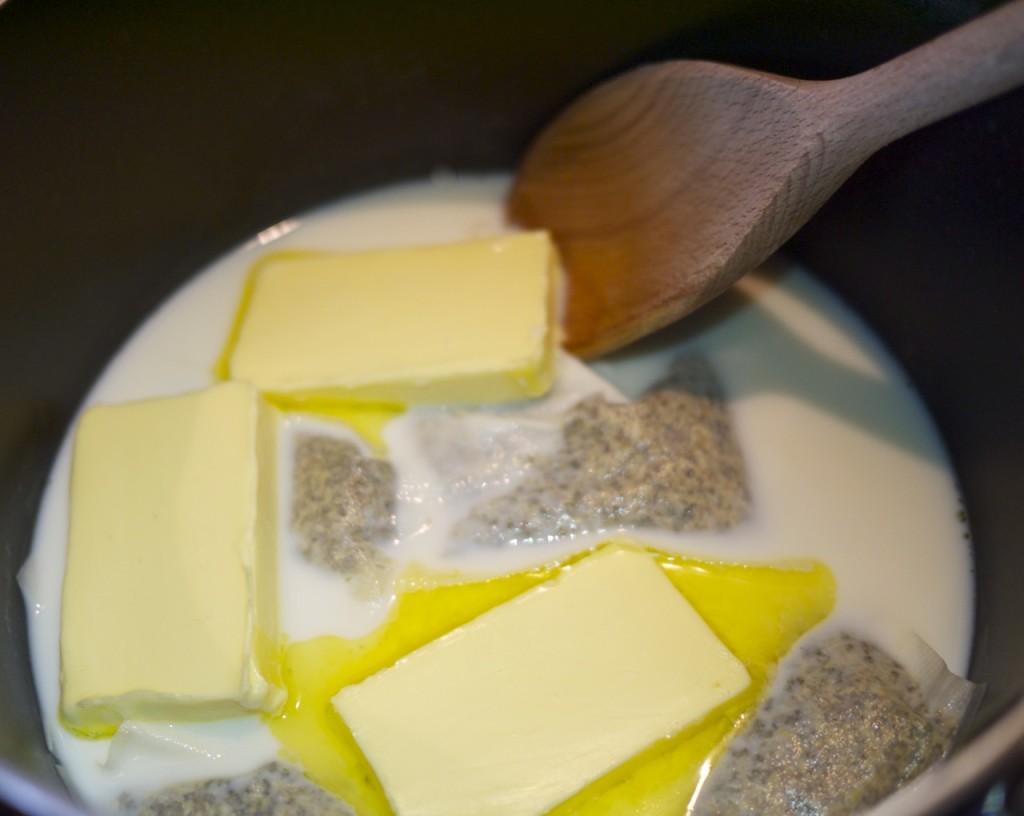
x,y
843,464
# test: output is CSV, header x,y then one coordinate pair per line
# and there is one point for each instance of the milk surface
x,y
843,463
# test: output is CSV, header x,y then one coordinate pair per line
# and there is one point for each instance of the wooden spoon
x,y
665,185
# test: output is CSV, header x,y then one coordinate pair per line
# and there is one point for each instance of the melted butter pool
x,y
759,612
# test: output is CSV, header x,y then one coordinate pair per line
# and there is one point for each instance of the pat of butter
x,y
169,606
528,703
468,322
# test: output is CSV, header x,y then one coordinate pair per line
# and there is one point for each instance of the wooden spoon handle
x,y
968,65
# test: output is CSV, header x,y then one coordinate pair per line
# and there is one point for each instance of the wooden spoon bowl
x,y
666,184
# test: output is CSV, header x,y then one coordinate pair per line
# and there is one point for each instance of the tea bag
x,y
668,461
845,726
343,509
274,789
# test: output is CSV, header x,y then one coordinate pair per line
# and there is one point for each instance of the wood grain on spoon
x,y
665,185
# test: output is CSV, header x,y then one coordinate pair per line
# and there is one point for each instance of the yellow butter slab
x,y
527,704
468,322
169,606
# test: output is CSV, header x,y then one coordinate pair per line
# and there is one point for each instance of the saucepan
x,y
140,141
